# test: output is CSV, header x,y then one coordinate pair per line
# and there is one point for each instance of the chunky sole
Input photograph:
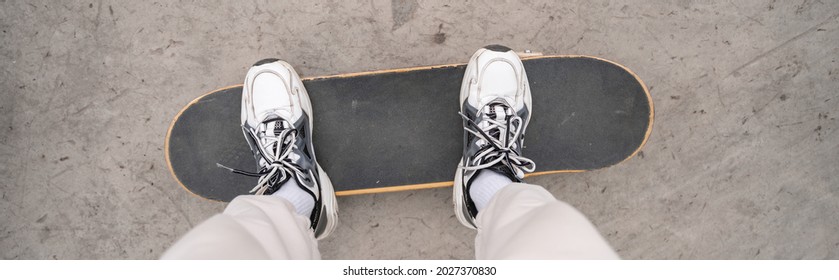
x,y
460,210
329,207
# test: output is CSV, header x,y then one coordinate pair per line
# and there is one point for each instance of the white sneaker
x,y
495,104
277,123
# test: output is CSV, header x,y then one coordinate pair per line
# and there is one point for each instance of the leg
x,y
251,227
524,221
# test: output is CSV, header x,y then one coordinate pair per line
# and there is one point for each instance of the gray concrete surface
x,y
742,162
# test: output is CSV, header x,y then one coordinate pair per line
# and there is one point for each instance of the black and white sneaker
x,y
495,106
277,123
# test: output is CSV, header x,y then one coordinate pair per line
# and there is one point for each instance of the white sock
x,y
302,201
485,186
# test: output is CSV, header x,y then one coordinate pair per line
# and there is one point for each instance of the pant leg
x,y
251,227
524,221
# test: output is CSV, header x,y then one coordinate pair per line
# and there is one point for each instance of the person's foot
x,y
277,123
495,105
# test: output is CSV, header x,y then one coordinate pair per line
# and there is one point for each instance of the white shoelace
x,y
502,148
278,165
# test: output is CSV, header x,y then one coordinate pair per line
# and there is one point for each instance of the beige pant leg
x,y
524,221
251,227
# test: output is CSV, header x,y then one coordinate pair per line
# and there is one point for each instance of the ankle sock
x,y
485,186
302,201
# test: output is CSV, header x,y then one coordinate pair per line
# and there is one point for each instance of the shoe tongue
x,y
274,115
497,111
274,126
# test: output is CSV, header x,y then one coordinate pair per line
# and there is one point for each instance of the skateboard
x,y
399,129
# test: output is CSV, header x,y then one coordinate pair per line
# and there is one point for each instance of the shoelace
x,y
499,149
278,166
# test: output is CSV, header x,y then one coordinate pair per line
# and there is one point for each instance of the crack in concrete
x,y
784,44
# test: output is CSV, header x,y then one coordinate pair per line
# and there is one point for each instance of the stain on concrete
x,y
439,37
402,11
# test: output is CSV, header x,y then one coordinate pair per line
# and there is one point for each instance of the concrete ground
x,y
742,162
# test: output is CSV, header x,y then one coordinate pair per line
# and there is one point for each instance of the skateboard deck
x,y
399,129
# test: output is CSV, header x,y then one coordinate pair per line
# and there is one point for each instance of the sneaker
x,y
495,106
277,123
